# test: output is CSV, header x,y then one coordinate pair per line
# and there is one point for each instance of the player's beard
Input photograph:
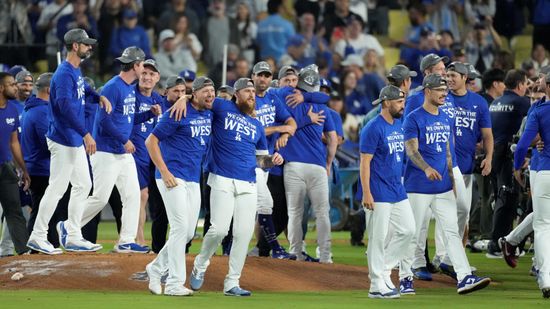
x,y
248,107
84,55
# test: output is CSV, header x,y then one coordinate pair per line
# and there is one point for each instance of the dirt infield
x,y
118,272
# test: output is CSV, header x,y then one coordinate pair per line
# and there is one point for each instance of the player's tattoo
x,y
411,146
450,163
264,161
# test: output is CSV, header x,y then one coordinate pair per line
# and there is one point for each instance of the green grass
x,y
511,288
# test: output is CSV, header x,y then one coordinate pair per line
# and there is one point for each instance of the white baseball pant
x,y
443,206
229,198
301,179
526,226
378,221
541,225
111,169
265,200
464,184
67,164
183,204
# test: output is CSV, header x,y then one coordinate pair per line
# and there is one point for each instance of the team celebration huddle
x,y
259,157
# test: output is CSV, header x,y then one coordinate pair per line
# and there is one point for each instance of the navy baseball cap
x,y
16,69
188,75
389,92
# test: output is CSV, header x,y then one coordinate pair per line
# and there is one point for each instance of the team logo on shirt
x,y
80,89
240,125
499,107
438,133
200,127
464,119
129,107
266,115
10,121
396,144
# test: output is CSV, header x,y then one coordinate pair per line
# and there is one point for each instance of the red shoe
x,y
508,252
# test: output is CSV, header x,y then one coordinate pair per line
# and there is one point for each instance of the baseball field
x,y
115,281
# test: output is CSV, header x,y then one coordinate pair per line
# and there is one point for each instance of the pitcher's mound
x,y
123,272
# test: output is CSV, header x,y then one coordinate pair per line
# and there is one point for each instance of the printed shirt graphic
x,y
471,115
507,112
9,122
183,144
271,112
433,132
386,143
236,139
141,131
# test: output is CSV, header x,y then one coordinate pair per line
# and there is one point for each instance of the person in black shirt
x,y
507,112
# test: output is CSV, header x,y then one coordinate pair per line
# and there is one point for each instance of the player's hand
x,y
277,159
26,179
294,99
168,179
281,141
129,147
368,201
432,174
518,175
105,104
287,129
156,110
179,109
89,144
486,166
316,118
540,146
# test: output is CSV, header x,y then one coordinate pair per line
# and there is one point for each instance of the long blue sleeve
x,y
109,127
531,130
316,97
89,92
143,117
68,114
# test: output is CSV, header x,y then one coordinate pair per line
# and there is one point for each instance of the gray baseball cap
x,y
226,88
458,67
472,72
287,70
432,81
22,76
260,67
389,92
309,80
131,54
151,63
243,83
78,35
430,60
400,72
174,80
44,80
201,82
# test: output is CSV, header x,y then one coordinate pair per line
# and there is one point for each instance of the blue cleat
x,y
422,273
406,286
237,291
308,258
472,283
131,248
281,254
448,270
43,246
196,280
61,233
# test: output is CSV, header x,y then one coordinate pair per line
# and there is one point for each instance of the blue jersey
x,y
90,110
270,111
471,115
20,107
141,131
337,120
235,141
537,122
507,112
183,143
34,125
68,91
535,154
416,100
306,146
433,133
112,131
385,142
9,123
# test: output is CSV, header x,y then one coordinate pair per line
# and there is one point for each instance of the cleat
x,y
308,258
82,245
472,283
131,248
389,294
508,252
196,280
448,270
43,246
422,273
177,291
281,254
406,286
237,291
154,280
61,233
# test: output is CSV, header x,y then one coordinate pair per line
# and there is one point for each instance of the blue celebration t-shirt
x,y
538,121
535,154
385,142
9,123
433,133
141,131
236,139
271,112
471,115
184,143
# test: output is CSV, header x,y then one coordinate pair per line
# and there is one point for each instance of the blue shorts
x,y
143,172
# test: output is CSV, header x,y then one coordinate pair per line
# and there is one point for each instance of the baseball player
x,y
429,181
308,164
10,149
279,126
472,122
145,98
177,149
384,196
538,122
66,136
236,141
